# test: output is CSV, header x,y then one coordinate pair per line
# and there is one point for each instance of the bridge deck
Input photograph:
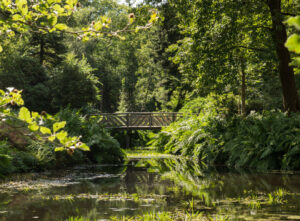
x,y
138,120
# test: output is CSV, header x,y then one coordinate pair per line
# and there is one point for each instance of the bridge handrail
x,y
146,113
142,120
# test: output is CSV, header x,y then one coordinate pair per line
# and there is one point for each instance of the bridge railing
x,y
138,120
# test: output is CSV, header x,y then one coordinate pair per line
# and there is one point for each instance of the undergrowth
x,y
268,140
14,160
38,155
103,147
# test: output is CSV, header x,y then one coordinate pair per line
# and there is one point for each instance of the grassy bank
x,y
146,153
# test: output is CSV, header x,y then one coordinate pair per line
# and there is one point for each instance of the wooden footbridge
x,y
138,120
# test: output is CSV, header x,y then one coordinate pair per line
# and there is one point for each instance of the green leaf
x,y
57,126
293,43
20,3
52,19
24,115
71,3
51,138
98,26
6,3
121,37
294,21
45,130
131,20
85,38
33,127
1,49
296,61
84,147
22,6
153,17
59,9
35,114
50,2
17,17
61,26
59,149
11,33
61,136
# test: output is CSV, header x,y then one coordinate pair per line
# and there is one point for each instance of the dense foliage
x,y
267,140
30,141
103,147
222,63
219,47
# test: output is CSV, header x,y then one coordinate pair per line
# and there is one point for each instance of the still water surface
x,y
147,185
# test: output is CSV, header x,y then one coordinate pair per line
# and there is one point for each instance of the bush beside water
x,y
103,147
268,140
38,155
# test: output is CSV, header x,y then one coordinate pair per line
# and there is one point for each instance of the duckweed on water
x,y
252,200
150,198
161,216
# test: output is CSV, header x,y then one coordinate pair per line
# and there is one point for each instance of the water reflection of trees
x,y
185,178
177,181
189,179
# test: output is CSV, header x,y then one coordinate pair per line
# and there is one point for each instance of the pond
x,y
169,188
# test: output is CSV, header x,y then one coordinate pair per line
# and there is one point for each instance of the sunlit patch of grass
x,y
277,197
274,198
136,154
254,204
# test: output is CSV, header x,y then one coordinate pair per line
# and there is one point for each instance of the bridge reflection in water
x,y
138,120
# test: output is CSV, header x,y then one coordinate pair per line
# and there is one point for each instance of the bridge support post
x,y
173,117
128,138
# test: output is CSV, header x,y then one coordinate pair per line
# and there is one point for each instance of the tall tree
x,y
47,47
216,32
291,100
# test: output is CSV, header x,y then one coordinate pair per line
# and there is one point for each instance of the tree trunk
x,y
291,102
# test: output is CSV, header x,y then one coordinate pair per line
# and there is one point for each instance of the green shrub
x,y
195,134
43,153
266,141
15,160
6,165
270,140
103,147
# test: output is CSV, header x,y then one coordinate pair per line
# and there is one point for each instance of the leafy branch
x,y
293,42
43,16
35,122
